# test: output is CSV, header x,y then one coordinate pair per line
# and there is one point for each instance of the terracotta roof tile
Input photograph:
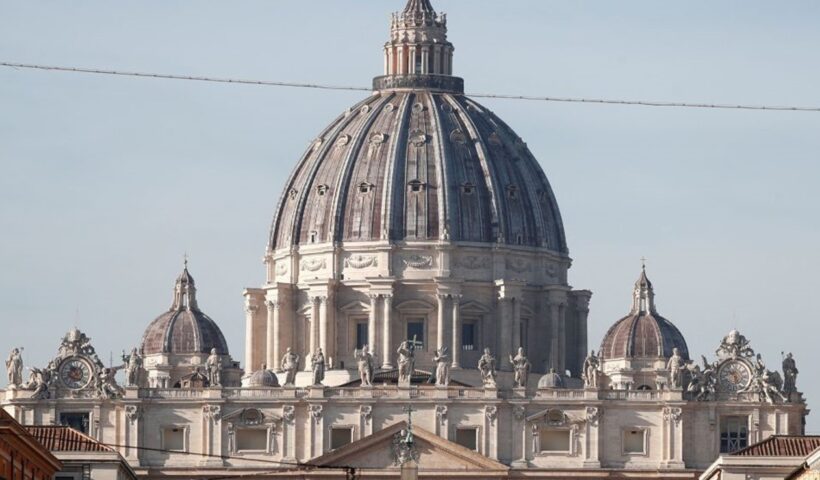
x,y
782,446
65,439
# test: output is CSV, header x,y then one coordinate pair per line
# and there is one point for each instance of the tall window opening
x,y
734,433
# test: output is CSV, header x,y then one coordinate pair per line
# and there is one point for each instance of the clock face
x,y
734,377
75,373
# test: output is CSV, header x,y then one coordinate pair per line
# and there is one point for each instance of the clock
x,y
75,373
734,376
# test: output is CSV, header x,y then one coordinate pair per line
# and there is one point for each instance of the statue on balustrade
x,y
317,361
442,367
365,362
214,366
14,367
486,365
592,370
407,362
789,375
107,386
675,367
521,366
290,365
133,368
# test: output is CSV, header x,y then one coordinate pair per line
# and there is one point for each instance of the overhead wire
x,y
323,86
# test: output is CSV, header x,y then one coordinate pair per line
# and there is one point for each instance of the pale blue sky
x,y
105,182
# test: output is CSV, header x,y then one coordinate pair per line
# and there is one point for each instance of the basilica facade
x,y
416,310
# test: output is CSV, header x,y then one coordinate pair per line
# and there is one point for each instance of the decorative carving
x,y
314,264
518,264
343,140
519,412
316,413
361,261
702,383
458,136
734,345
672,414
475,262
491,412
365,109
289,413
389,108
593,414
486,365
251,417
133,413
441,413
494,139
366,412
442,361
281,268
377,138
418,107
418,261
418,138
212,412
404,448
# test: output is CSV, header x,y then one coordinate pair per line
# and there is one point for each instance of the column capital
x,y
273,304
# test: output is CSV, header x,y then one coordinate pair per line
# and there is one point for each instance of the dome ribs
x,y
352,150
394,214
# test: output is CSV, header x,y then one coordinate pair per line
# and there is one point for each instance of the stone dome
x,y
418,160
643,333
551,380
184,328
263,378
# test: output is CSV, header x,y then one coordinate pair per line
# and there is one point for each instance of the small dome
x,y
263,378
643,333
184,328
551,380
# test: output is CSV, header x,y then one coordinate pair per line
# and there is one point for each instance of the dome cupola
x,y
184,328
643,333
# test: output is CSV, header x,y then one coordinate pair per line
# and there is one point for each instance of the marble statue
x,y
290,365
14,367
486,365
675,366
789,375
442,361
365,362
39,382
521,366
107,386
702,382
407,362
766,383
317,361
214,366
133,368
592,370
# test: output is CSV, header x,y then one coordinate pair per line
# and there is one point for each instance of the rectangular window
x,y
361,335
554,440
467,438
635,441
251,440
734,433
76,420
173,438
415,330
339,437
468,337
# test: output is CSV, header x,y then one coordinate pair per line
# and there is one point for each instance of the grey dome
x,y
551,380
184,328
263,378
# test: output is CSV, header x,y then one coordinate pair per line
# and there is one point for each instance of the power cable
x,y
320,86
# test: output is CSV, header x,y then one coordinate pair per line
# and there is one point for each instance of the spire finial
x,y
643,264
185,260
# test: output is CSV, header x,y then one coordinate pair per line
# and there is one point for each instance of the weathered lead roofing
x,y
418,165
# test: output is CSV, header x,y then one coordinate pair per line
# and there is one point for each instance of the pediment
x,y
250,417
435,454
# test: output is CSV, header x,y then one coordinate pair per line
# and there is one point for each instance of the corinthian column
x,y
387,332
272,358
371,323
323,327
314,326
456,332
441,341
250,311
